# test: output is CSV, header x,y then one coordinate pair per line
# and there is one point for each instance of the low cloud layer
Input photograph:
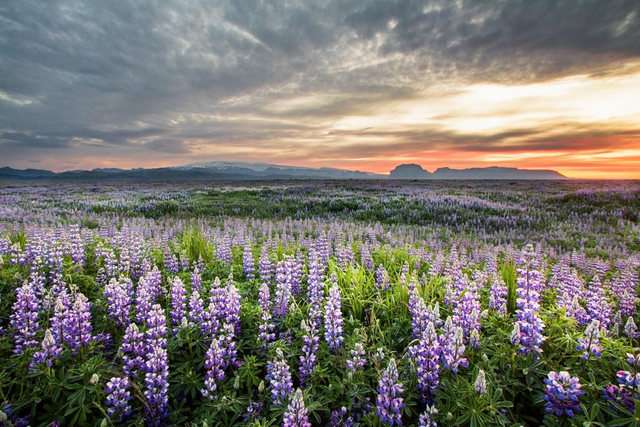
x,y
359,84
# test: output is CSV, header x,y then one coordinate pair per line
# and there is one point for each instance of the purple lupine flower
x,y
452,347
562,394
382,278
467,312
426,355
223,249
345,255
232,307
633,360
196,313
156,333
133,350
310,344
620,395
118,397
228,343
283,291
427,418
76,324
118,296
630,328
296,414
49,351
170,262
196,280
265,328
315,290
527,332
480,384
589,344
598,307
498,297
333,317
420,314
265,267
144,301
214,365
294,273
217,309
389,402
365,257
357,360
178,302
279,378
254,409
24,319
340,418
629,379
627,302
156,381
247,262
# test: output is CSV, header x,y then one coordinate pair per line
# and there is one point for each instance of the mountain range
x,y
238,171
413,171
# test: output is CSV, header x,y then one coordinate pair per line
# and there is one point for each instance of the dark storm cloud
x,y
138,74
512,38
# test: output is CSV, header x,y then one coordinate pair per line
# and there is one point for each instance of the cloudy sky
x,y
346,83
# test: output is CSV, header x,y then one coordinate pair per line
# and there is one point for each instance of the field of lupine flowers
x,y
329,304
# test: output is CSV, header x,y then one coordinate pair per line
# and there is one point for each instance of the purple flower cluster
x,y
333,318
178,303
498,297
265,267
427,417
118,295
214,365
196,280
466,312
76,323
527,331
426,357
389,402
480,384
621,395
382,278
562,394
156,333
118,398
598,306
315,290
589,344
156,382
452,347
196,313
310,344
24,319
248,266
365,257
357,360
133,351
50,350
266,327
156,378
296,414
279,377
283,290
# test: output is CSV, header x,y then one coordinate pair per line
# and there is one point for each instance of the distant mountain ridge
x,y
239,171
413,171
221,171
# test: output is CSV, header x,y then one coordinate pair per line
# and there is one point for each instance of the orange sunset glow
x,y
361,86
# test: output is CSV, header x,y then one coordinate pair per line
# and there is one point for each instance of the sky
x,y
356,84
